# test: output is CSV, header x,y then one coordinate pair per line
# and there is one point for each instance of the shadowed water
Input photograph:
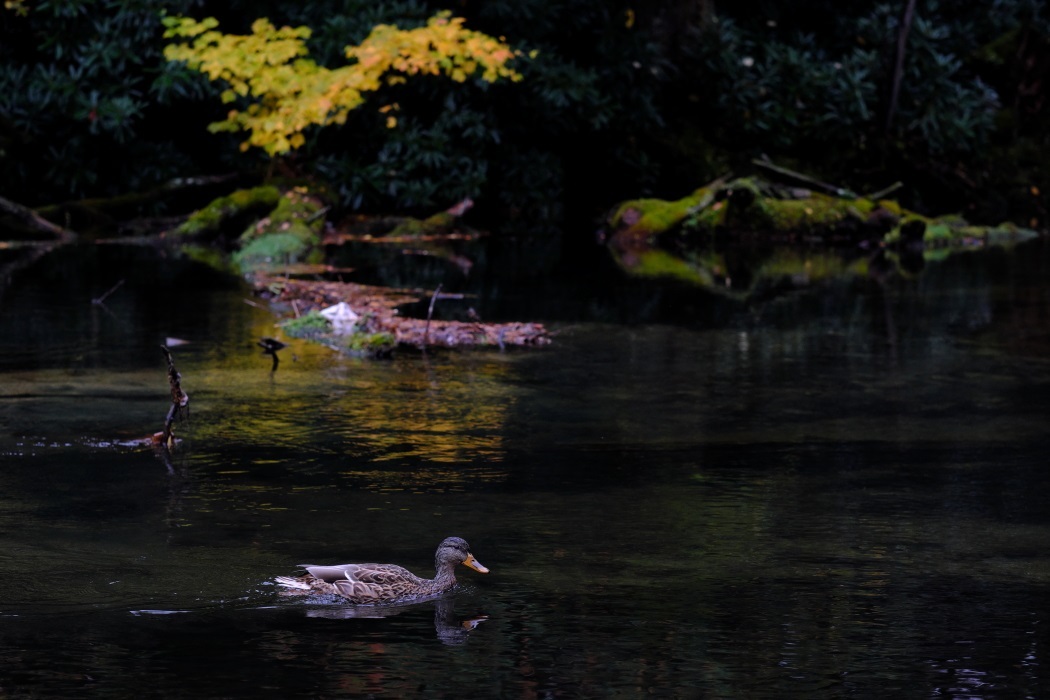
x,y
841,492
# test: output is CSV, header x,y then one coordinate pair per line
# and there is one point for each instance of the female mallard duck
x,y
369,584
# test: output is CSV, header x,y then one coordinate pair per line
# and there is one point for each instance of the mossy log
x,y
290,233
439,224
695,239
753,206
264,226
643,219
228,215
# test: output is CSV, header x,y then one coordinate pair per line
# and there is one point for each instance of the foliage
x,y
587,102
789,88
418,164
80,86
622,100
293,92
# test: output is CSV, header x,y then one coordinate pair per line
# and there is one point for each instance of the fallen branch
x,y
804,180
884,192
179,400
34,221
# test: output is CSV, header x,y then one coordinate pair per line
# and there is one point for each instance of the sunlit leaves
x,y
289,92
19,7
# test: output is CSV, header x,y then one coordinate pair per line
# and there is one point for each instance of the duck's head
x,y
455,550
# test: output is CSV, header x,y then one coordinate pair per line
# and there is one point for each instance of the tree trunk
x,y
898,66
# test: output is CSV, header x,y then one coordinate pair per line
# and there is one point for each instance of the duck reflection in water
x,y
450,629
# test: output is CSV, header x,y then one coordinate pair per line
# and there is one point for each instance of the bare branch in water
x,y
179,400
99,301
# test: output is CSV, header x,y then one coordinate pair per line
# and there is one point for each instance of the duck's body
x,y
370,584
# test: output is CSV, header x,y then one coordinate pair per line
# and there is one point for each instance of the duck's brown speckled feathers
x,y
369,584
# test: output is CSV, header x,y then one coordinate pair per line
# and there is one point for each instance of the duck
x,y
374,584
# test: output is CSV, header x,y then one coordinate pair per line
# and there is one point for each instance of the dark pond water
x,y
839,492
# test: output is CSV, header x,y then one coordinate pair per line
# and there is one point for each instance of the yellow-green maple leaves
x,y
290,92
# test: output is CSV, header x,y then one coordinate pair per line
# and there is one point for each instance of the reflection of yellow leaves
x,y
458,420
391,122
270,67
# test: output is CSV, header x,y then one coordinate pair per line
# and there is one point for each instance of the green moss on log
x,y
229,213
646,218
290,233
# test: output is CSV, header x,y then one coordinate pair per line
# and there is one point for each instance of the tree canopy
x,y
290,92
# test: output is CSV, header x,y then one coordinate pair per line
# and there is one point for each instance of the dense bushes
x,y
784,89
818,91
615,104
84,94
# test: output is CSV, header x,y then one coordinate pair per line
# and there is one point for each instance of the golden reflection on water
x,y
415,414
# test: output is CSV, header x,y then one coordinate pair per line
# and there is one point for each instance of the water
x,y
841,492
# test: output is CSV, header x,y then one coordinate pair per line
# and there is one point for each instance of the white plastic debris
x,y
341,316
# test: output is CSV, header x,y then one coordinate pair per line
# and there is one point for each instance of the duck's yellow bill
x,y
474,564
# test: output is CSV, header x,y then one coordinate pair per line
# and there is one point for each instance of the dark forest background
x,y
622,100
